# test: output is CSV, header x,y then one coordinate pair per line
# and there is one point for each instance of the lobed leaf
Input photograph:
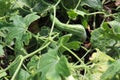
x,y
18,31
52,67
105,39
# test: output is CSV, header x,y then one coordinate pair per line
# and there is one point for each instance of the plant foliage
x,y
80,42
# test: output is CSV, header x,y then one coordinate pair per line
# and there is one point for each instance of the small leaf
x,y
30,18
73,45
72,14
2,73
64,40
32,64
44,31
116,26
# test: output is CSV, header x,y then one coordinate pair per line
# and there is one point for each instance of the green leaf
x,y
111,71
96,4
30,18
44,31
115,26
22,75
65,40
72,14
26,38
69,4
4,7
18,31
73,45
62,67
2,73
49,65
38,6
1,51
32,64
104,39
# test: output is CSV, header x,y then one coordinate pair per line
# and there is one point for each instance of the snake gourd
x,y
75,29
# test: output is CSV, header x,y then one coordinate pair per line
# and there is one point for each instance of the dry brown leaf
x,y
117,3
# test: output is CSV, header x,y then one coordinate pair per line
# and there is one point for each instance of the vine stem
x,y
41,48
73,54
77,4
86,53
47,42
25,57
33,53
94,13
57,3
53,23
18,68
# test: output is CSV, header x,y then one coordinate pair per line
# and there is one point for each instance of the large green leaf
x,y
100,40
112,71
39,6
105,39
52,67
18,31
96,4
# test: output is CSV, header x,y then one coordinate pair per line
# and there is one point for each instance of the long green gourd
x,y
75,29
